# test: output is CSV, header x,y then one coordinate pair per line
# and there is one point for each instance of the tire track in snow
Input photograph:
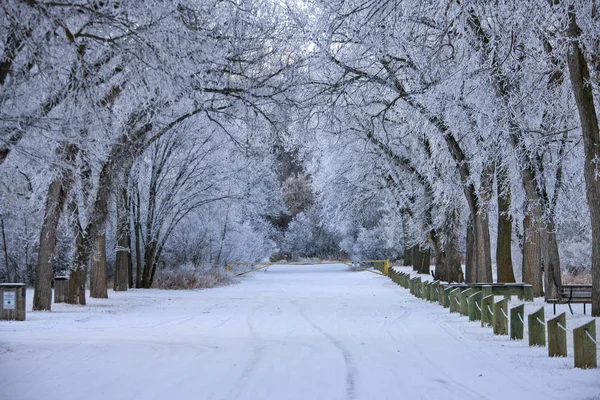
x,y
348,362
449,384
258,351
457,335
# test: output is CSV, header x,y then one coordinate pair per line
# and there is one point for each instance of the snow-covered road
x,y
293,332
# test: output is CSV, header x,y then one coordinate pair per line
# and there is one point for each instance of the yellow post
x,y
386,267
228,268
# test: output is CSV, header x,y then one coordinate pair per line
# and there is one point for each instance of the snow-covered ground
x,y
292,332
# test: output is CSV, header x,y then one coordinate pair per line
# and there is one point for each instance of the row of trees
x,y
412,125
141,117
455,112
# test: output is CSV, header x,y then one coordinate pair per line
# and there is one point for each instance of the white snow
x,y
292,332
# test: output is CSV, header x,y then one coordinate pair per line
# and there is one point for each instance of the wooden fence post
x,y
516,322
584,347
486,290
474,301
406,281
527,293
415,283
454,302
446,297
486,305
425,292
392,275
501,317
464,302
537,328
557,336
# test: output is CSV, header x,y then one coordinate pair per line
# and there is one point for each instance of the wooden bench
x,y
523,290
569,294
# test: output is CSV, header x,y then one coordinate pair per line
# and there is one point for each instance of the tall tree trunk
x,y
453,267
582,89
504,243
138,248
407,253
425,260
417,258
55,203
439,254
551,263
482,251
78,276
532,255
98,279
470,274
58,194
9,276
130,265
149,263
123,240
407,257
480,267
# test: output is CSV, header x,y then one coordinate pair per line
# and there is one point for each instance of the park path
x,y
291,332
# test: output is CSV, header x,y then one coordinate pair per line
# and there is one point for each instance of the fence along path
x,y
540,332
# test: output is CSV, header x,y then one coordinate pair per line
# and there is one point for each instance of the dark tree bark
x,y
582,89
504,242
9,276
407,257
532,255
407,253
454,272
79,270
417,258
421,259
58,193
130,265
98,279
439,253
138,247
123,260
470,253
55,203
78,277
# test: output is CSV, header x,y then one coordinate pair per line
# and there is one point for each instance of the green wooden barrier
x,y
516,322
455,300
557,336
464,303
584,346
406,280
487,317
537,328
528,293
474,305
425,290
446,297
413,285
501,317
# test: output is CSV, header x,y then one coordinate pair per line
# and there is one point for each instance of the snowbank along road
x,y
292,332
